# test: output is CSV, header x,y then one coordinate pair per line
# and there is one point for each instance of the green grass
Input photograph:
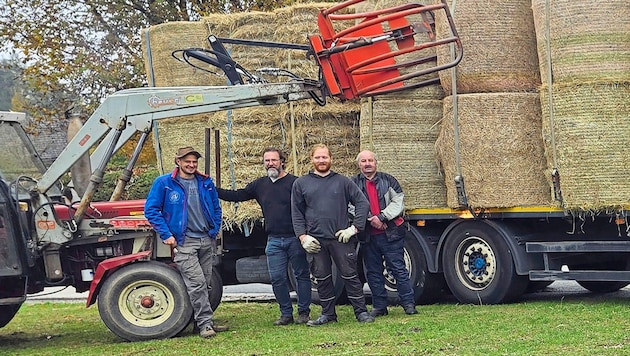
x,y
527,328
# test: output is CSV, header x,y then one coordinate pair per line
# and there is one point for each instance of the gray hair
x,y
359,154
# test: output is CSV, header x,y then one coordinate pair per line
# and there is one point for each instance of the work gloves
x,y
344,235
310,244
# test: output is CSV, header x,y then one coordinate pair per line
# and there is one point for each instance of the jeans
x,y
194,261
377,250
280,251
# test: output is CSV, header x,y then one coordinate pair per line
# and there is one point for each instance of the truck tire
x,y
427,286
603,286
144,301
7,312
478,265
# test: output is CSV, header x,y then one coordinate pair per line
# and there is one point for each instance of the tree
x,y
75,53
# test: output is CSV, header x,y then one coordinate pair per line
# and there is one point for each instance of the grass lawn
x,y
576,327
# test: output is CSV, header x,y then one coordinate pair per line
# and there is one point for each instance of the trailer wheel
x,y
428,287
604,286
144,301
478,265
7,312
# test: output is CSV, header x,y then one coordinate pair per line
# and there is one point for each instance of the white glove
x,y
310,244
345,234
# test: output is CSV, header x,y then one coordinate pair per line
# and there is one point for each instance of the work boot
x,y
207,332
410,309
365,317
378,312
323,319
284,320
302,318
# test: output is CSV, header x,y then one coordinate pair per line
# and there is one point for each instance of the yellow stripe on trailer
x,y
513,212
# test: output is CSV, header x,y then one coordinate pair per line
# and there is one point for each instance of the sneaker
x,y
365,317
323,319
302,318
284,320
410,309
207,332
378,312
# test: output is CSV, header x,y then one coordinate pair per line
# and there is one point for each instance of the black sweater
x,y
274,199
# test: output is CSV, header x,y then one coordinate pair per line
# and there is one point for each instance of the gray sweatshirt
x,y
319,205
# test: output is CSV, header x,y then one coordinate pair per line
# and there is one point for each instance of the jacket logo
x,y
173,197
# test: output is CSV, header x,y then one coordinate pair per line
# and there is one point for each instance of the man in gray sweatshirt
x,y
319,209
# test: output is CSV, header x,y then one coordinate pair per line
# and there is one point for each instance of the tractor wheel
x,y
144,301
7,312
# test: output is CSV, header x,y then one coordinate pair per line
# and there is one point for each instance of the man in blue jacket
x,y
183,207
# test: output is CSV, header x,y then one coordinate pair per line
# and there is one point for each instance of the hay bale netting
x,y
499,44
158,44
588,41
402,134
589,143
501,150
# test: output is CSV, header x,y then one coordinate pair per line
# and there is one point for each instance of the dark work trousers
x,y
374,252
194,260
345,258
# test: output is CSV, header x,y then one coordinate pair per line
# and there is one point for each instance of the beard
x,y
273,173
322,167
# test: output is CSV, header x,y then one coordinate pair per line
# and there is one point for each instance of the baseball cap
x,y
185,151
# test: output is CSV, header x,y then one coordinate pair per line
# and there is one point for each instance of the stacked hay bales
x,y
403,133
499,46
584,55
401,128
501,155
244,133
491,127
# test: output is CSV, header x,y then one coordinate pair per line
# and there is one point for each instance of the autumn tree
x,y
74,53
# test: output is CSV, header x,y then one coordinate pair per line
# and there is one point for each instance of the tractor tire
x,y
145,301
7,312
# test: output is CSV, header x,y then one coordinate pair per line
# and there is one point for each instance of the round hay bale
x,y
588,41
158,44
402,133
500,147
499,47
586,139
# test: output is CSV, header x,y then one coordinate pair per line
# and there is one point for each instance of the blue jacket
x,y
166,206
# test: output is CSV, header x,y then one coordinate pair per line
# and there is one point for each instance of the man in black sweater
x,y
273,193
319,207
